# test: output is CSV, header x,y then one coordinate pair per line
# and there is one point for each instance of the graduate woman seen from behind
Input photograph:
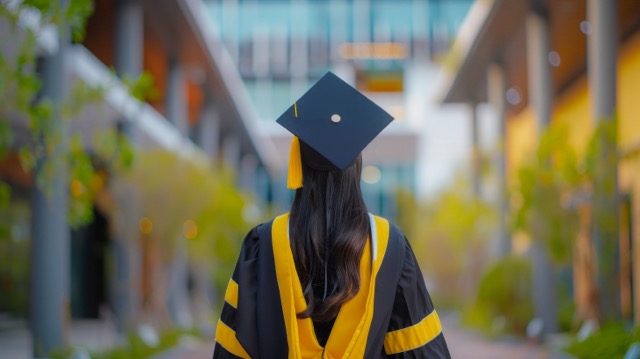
x,y
328,279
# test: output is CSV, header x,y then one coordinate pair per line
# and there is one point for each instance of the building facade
x,y
199,116
389,50
572,64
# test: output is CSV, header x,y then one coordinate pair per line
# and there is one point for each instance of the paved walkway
x,y
15,343
15,339
466,344
462,344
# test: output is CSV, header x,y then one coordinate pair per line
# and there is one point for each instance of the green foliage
x,y
46,121
449,235
545,200
178,195
557,184
82,174
504,297
602,166
77,13
14,246
142,87
19,88
5,196
610,342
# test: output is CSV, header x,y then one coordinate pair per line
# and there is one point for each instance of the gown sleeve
x,y
414,329
229,342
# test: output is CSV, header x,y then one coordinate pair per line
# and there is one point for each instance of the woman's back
x,y
328,279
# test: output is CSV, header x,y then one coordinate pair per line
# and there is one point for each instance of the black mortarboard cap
x,y
335,120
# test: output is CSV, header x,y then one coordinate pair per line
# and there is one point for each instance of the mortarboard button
x,y
336,118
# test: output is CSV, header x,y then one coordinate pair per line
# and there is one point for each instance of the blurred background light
x,y
146,226
585,27
513,96
190,229
554,58
371,174
373,50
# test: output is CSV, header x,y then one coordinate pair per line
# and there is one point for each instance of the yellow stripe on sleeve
x,y
226,337
231,295
414,336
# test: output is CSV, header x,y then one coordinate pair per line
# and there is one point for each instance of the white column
x,y
496,89
541,100
50,242
248,169
176,111
602,55
208,136
129,46
475,151
337,28
299,53
231,151
230,28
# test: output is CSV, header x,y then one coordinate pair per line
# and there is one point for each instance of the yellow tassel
x,y
294,178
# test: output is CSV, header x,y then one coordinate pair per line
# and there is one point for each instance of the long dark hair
x,y
328,221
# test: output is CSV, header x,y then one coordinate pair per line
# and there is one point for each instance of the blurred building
x,y
390,50
201,114
574,63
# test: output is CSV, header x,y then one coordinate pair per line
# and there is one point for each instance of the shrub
x,y
610,342
503,302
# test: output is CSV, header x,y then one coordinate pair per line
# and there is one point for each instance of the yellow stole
x,y
348,338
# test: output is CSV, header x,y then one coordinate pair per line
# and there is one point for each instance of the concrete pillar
x,y
539,71
261,51
208,136
178,295
602,53
176,100
230,28
261,185
50,242
248,169
338,28
361,21
496,90
129,46
177,114
475,152
299,55
231,151
129,36
541,100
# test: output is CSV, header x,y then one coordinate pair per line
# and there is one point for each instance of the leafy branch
x,y
22,106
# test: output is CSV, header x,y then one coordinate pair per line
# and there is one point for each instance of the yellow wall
x,y
520,141
629,93
573,108
629,140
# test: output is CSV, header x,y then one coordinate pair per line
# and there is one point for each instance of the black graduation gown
x,y
258,315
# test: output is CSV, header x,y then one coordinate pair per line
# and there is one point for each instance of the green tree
x,y
22,108
550,187
197,204
561,196
450,236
